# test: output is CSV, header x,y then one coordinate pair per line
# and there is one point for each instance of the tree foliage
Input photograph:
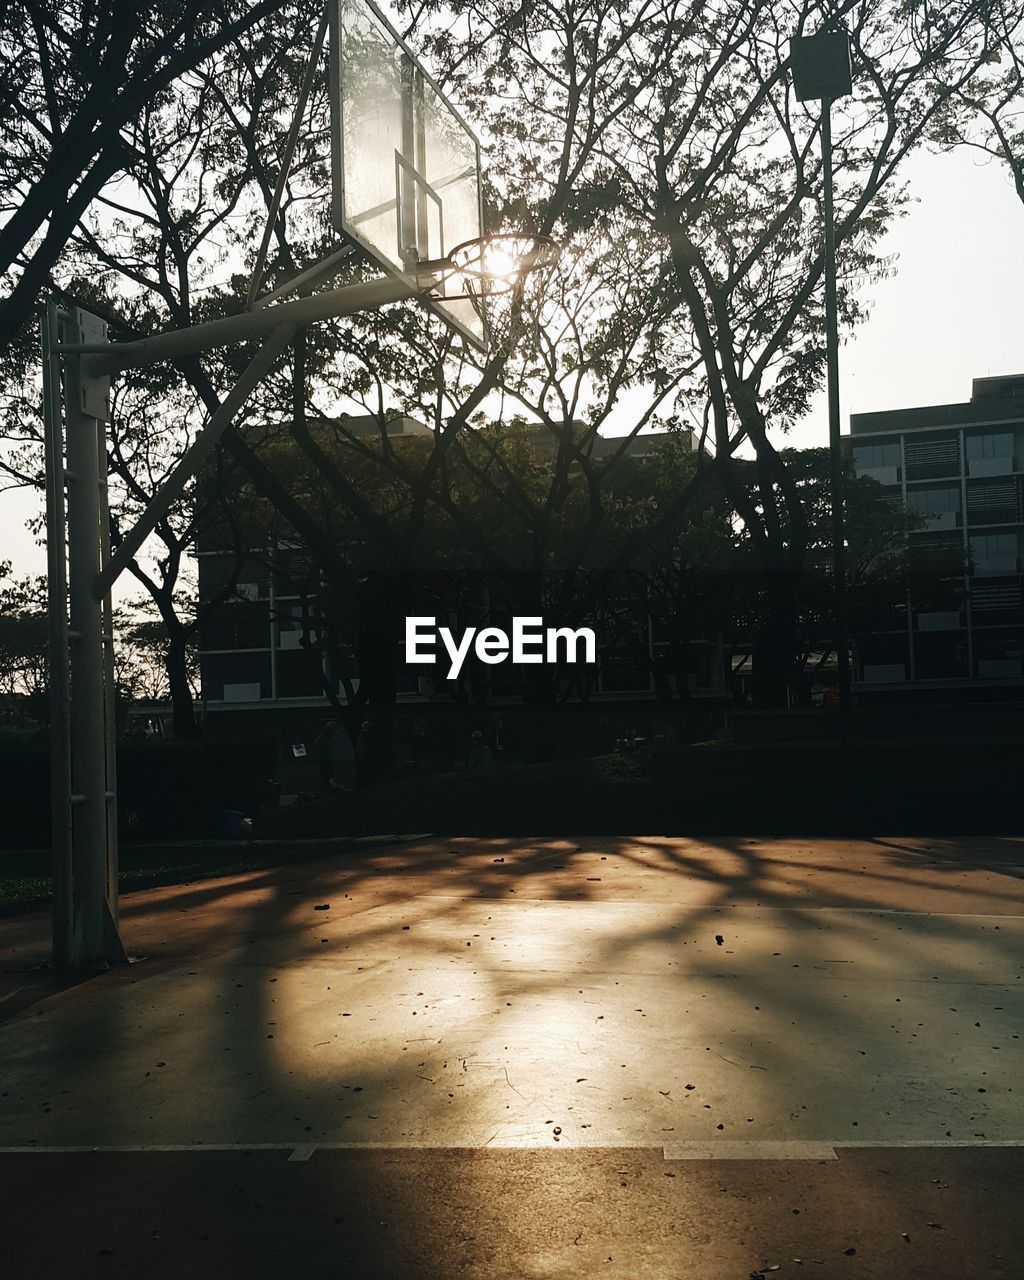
x,y
76,77
658,140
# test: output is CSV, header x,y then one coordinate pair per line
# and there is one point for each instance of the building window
x,y
217,569
290,627
873,457
221,671
934,502
1001,547
934,458
295,573
299,675
989,445
996,603
236,627
941,655
993,501
997,654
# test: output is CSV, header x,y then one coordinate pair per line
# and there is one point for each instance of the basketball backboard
x,y
406,164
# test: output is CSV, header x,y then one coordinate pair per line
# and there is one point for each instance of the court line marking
x,y
721,1149
742,1150
713,908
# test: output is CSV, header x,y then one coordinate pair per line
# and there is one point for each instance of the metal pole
x,y
106,359
83,783
57,617
83,787
113,942
834,436
88,696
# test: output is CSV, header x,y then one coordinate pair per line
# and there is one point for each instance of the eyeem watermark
x,y
530,642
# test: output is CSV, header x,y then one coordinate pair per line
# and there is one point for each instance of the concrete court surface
x,y
624,1057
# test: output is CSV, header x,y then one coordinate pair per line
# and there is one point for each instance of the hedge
x,y
166,790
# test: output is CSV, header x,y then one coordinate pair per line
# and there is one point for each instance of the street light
x,y
821,73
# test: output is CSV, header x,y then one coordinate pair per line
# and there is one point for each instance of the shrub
x,y
165,789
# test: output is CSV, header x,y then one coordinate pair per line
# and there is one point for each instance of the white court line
x,y
722,1149
715,909
741,1150
933,1142
808,1150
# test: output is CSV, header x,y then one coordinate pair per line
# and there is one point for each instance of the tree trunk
x,y
773,651
382,601
183,708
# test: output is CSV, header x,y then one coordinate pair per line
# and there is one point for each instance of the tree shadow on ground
x,y
268,1015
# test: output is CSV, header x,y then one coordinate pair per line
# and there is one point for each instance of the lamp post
x,y
822,72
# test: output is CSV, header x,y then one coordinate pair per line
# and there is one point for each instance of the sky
x,y
950,313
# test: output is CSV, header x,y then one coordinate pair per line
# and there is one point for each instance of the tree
x,y
659,142
76,76
23,647
987,115
141,666
151,426
710,175
141,669
883,564
138,254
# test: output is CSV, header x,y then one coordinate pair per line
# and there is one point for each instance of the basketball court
x,y
625,1057
540,1023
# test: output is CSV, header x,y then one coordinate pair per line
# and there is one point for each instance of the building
x,y
256,670
251,654
960,468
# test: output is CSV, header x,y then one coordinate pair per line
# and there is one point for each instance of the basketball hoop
x,y
488,269
495,264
